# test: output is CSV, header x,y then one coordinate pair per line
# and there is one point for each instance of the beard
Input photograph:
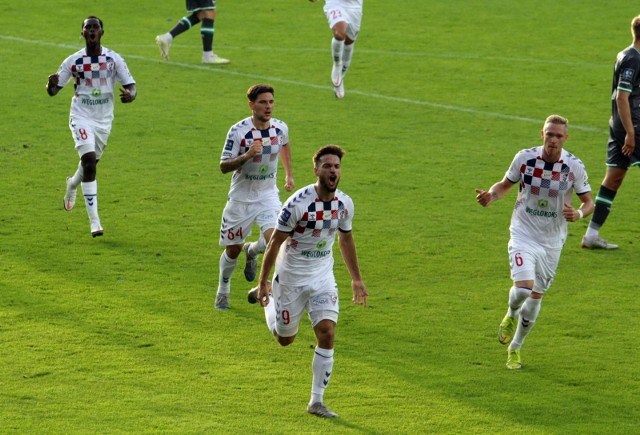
x,y
326,184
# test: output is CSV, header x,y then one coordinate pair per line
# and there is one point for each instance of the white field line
x,y
409,101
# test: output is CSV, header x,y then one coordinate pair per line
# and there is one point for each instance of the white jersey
x,y
94,80
345,3
307,255
544,189
256,179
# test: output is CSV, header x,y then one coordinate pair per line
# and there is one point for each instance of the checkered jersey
x,y
544,189
257,177
94,80
307,255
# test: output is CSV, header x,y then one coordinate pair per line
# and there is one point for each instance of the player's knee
x,y
340,36
340,31
285,341
233,251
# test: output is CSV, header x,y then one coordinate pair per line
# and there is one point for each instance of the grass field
x,y
119,335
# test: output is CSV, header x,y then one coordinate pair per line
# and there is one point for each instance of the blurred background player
x,y
200,11
304,279
547,176
344,18
251,151
94,70
624,135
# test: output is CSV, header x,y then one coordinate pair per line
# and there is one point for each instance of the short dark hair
x,y
255,90
325,150
92,17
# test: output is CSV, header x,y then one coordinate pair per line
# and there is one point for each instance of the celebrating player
x,y
304,280
251,151
94,71
547,176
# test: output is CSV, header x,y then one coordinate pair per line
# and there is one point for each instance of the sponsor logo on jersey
x,y
96,92
541,213
96,102
543,203
321,244
315,254
258,177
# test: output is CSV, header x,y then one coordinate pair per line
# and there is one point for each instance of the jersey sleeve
x,y
346,220
581,181
64,73
285,134
123,75
629,70
288,217
513,173
231,148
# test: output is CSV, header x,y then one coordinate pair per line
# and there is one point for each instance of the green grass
x,y
118,334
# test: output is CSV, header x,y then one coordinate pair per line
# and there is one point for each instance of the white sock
x,y
528,315
517,296
270,315
227,266
592,232
76,179
337,48
347,53
90,192
322,367
258,247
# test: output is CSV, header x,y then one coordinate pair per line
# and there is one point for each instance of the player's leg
x,y
187,22
207,31
617,165
354,18
89,143
323,311
336,16
267,215
283,313
251,251
337,50
518,293
522,263
72,183
235,227
90,192
546,264
80,140
604,201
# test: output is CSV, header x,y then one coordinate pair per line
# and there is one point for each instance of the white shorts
x,y
352,16
238,219
89,137
320,300
530,261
